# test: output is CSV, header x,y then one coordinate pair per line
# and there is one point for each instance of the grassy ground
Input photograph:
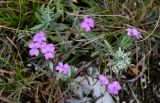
x,y
20,19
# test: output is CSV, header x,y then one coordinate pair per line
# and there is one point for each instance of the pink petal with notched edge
x,y
39,37
87,28
40,33
66,71
103,80
51,48
138,36
82,24
59,69
129,31
49,56
34,52
60,64
86,19
91,22
66,68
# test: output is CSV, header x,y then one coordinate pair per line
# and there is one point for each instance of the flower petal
x,y
103,80
91,22
83,24
34,52
87,28
86,19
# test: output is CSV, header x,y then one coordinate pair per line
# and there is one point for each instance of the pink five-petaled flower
x,y
114,87
103,80
87,24
39,37
63,68
134,32
47,50
48,56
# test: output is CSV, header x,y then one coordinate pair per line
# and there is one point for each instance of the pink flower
x,y
63,68
34,49
114,87
39,37
87,24
134,32
46,48
34,52
103,80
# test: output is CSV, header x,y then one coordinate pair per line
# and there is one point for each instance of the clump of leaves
x,y
48,17
100,48
121,61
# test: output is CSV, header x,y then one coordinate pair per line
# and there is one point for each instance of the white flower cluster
x,y
121,61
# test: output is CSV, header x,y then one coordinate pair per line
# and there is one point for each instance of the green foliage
x,y
100,48
125,42
16,13
47,18
61,19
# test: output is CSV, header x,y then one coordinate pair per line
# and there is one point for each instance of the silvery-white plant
x,y
121,61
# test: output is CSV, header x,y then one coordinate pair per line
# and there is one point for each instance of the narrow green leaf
x,y
38,27
58,27
38,16
108,46
54,38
